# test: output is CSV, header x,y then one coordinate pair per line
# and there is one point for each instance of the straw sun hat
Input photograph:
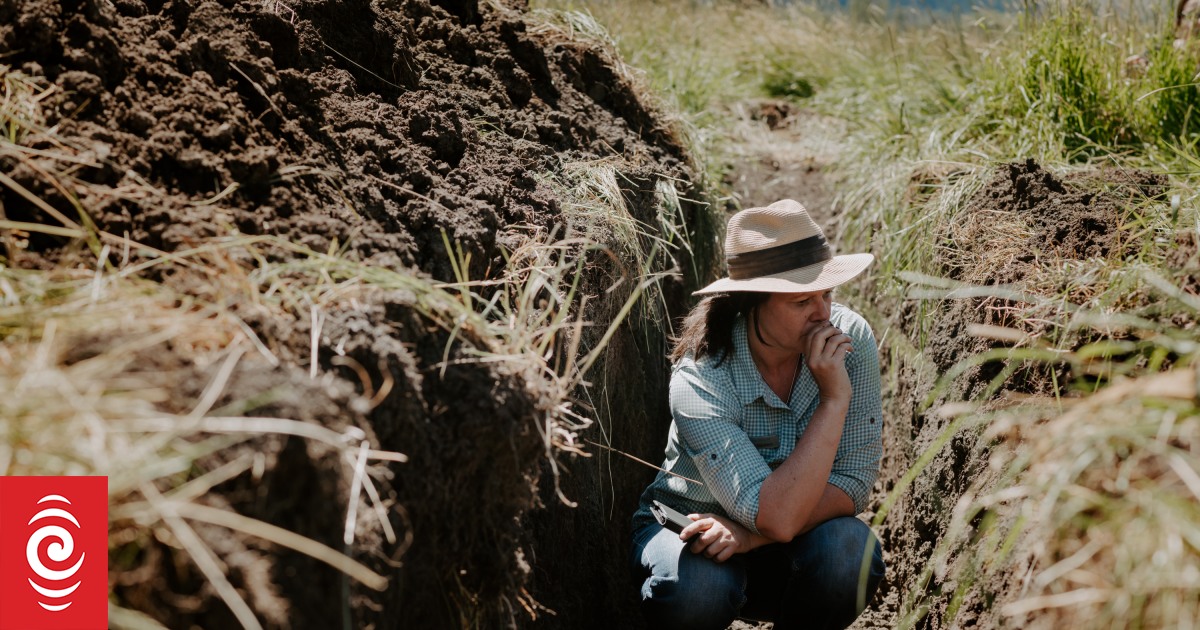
x,y
780,249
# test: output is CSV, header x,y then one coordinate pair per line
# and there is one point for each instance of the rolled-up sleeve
x,y
706,410
857,461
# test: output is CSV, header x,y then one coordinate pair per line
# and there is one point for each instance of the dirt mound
x,y
1025,212
1022,222
398,120
370,128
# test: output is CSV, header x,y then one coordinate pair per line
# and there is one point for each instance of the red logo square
x,y
53,553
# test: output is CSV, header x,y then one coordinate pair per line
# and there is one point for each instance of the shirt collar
x,y
750,385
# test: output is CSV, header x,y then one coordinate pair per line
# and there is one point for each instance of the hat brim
x,y
819,277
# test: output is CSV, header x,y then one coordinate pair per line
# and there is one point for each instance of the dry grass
x,y
83,401
1091,510
1110,506
76,342
984,241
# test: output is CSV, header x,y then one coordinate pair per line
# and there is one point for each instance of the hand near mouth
x,y
825,353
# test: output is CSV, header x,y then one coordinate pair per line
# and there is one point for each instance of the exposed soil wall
x,y
372,127
582,570
1021,223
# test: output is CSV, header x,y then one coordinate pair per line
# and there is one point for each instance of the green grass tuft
x,y
786,82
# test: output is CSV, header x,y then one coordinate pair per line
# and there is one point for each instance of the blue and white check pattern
x,y
730,430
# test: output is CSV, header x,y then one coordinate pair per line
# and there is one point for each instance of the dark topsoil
x,y
372,125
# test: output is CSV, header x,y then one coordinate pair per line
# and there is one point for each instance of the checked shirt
x,y
729,430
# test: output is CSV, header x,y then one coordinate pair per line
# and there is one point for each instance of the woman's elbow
x,y
776,532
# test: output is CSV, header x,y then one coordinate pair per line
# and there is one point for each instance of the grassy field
x,y
1085,509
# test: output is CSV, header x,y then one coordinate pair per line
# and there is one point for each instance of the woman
x,y
775,442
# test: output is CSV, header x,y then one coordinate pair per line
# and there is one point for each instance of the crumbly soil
x,y
373,127
1021,222
373,124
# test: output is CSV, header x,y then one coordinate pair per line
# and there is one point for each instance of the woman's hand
x,y
825,356
716,537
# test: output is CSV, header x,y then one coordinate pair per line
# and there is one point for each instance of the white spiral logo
x,y
59,551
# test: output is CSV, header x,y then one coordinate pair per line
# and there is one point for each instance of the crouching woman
x,y
774,444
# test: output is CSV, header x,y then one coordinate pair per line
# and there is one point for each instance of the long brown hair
x,y
708,328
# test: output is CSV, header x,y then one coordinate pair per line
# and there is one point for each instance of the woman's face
x,y
786,319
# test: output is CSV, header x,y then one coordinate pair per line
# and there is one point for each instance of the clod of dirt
x,y
775,113
1045,216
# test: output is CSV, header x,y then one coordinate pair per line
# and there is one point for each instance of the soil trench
x,y
784,151
1074,219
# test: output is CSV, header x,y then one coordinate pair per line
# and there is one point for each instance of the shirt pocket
x,y
766,442
768,447
764,427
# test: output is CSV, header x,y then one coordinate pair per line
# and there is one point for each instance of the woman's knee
x,y
845,559
701,594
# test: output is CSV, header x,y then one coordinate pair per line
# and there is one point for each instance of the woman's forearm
x,y
834,503
791,493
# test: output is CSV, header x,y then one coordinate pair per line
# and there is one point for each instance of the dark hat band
x,y
778,259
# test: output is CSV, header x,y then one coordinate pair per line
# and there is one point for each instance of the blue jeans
x,y
811,582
